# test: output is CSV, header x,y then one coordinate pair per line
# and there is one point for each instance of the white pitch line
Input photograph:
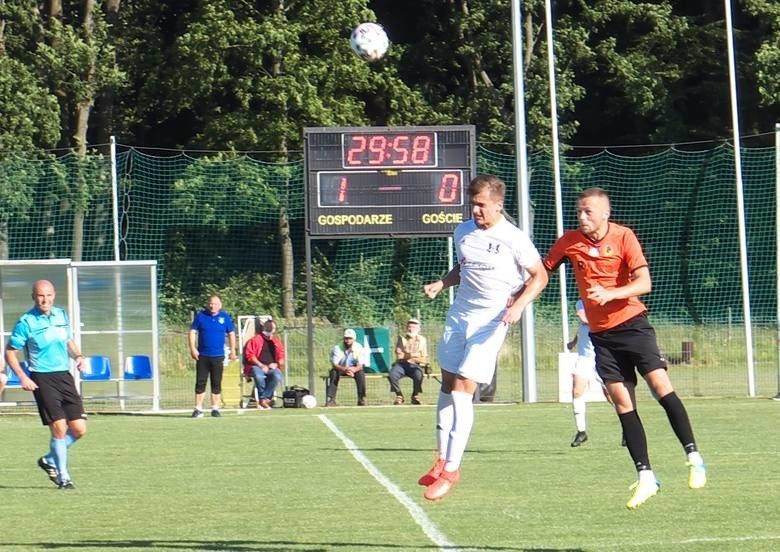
x,y
418,514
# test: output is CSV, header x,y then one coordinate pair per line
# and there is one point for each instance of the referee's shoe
x,y
50,470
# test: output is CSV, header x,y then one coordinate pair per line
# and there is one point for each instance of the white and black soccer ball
x,y
309,401
369,41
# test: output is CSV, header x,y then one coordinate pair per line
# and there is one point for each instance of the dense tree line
x,y
248,75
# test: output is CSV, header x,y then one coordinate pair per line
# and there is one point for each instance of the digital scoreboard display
x,y
388,180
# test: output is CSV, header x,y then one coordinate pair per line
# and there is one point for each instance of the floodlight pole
x,y
556,155
777,252
523,202
743,262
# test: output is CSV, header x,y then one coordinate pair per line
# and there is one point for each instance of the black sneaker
x,y
580,438
50,470
215,414
66,485
197,413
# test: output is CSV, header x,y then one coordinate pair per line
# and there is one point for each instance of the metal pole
x,y
556,167
310,314
740,204
777,252
114,197
523,214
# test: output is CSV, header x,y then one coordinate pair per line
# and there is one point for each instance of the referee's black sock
x,y
678,418
636,441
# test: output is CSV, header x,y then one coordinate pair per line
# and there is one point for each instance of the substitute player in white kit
x,y
499,272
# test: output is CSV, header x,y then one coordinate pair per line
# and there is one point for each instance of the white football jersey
x,y
492,263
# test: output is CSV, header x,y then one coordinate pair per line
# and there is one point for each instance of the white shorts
x,y
585,367
470,344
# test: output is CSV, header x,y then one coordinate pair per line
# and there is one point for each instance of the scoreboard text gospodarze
x,y
388,180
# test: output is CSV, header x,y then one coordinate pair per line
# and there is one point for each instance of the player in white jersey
x,y
499,272
584,371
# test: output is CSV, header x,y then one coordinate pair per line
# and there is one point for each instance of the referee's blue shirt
x,y
44,339
212,330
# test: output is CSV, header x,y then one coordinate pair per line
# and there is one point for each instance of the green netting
x,y
212,222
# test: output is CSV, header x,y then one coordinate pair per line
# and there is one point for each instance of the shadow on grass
x,y
269,546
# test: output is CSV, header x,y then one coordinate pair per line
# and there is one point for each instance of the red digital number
x,y
355,151
421,150
377,147
390,150
400,150
449,188
343,189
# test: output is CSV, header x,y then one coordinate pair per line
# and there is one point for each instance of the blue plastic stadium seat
x,y
13,379
138,367
96,368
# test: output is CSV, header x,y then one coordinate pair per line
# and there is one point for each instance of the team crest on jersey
x,y
221,319
608,251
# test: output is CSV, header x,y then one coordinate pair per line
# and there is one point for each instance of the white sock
x,y
578,408
461,428
695,458
646,476
445,415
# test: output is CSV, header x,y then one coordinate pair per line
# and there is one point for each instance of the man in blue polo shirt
x,y
207,348
44,333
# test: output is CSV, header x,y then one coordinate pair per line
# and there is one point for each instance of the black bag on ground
x,y
291,397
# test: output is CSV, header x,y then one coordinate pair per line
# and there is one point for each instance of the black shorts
x,y
209,368
626,349
57,397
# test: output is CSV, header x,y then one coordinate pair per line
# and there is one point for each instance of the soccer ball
x,y
309,401
369,41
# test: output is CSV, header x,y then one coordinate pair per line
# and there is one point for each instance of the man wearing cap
x,y
412,353
346,360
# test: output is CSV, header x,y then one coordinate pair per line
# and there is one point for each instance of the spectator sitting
x,y
412,353
264,363
346,360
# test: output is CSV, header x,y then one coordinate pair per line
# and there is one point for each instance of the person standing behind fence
x,y
346,360
412,355
264,363
207,347
45,335
499,272
612,273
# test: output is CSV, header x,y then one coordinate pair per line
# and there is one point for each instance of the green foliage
x,y
346,293
18,179
249,294
30,119
206,192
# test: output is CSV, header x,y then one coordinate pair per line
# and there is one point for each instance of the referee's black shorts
x,y
57,397
626,349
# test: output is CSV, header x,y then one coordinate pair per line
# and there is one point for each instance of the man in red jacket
x,y
264,363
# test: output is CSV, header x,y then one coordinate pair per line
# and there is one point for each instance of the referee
x,y
44,333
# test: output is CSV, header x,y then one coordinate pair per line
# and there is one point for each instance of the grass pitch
x,y
344,479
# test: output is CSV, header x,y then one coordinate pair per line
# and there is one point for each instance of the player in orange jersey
x,y
611,273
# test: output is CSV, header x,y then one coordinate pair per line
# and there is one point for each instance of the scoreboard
x,y
392,181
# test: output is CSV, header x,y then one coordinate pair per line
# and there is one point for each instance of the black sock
x,y
636,441
678,418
